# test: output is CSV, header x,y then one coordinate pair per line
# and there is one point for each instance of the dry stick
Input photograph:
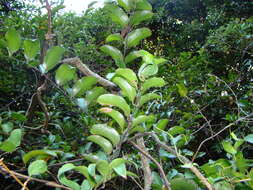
x,y
185,161
7,170
45,182
76,62
167,184
145,165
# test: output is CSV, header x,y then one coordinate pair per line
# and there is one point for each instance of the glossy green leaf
x,y
52,58
114,100
31,49
7,127
115,54
107,132
119,166
14,140
104,168
102,142
92,169
151,83
62,178
176,130
132,56
86,185
93,94
143,5
35,153
37,167
148,97
13,40
64,74
126,4
182,90
84,84
249,138
135,37
126,88
91,158
140,16
117,116
161,125
114,37
129,75
228,147
117,15
147,70
143,119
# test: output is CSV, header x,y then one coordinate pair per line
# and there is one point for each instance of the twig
x,y
167,184
76,62
45,182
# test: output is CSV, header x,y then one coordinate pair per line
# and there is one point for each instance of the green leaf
x,y
176,130
114,37
143,5
147,70
35,153
228,147
132,56
143,119
13,40
53,56
84,84
31,49
115,54
93,94
102,142
91,158
162,123
129,75
126,88
249,138
104,168
7,127
117,15
151,83
64,74
107,132
135,37
126,4
182,90
114,100
14,140
92,169
147,97
117,116
37,167
69,183
86,185
140,16
119,166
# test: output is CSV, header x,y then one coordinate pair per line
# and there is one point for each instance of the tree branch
x,y
76,62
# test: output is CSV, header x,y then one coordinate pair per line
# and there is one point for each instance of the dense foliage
x,y
151,94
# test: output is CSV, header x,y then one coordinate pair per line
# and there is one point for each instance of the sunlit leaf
x,y
13,40
228,147
147,70
148,97
126,4
84,84
182,90
107,132
37,167
143,5
114,100
115,54
135,37
14,140
249,138
102,142
52,58
129,75
104,168
35,153
117,15
151,83
126,88
119,166
114,37
64,74
140,16
31,49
